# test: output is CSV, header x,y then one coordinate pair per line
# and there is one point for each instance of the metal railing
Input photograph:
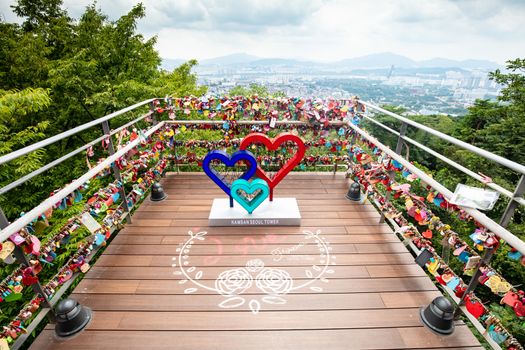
x,y
497,228
484,220
516,197
41,144
7,229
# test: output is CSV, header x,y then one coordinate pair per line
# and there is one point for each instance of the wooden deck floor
x,y
352,286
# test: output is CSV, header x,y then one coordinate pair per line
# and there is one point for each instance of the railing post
x,y
21,258
116,171
392,173
402,133
511,207
474,281
37,287
3,219
153,115
445,252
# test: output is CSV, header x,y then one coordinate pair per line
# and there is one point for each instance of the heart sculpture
x,y
272,145
229,161
249,188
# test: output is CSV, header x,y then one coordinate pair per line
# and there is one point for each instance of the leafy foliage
x,y
254,89
57,73
498,127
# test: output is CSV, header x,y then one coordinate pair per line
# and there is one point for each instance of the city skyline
x,y
324,30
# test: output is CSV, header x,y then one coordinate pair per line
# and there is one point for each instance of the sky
x,y
325,30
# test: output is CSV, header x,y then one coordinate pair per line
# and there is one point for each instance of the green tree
x,y
19,105
180,82
86,69
253,89
513,82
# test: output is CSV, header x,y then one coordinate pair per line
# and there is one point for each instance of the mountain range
x,y
372,61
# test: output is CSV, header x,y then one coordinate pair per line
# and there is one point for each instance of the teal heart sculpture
x,y
249,188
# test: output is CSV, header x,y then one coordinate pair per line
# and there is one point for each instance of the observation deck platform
x,y
340,281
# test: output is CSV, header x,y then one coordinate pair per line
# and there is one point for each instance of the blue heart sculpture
x,y
229,161
249,188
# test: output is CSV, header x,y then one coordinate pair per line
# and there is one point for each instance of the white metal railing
x,y
476,150
18,153
450,162
516,197
34,213
476,214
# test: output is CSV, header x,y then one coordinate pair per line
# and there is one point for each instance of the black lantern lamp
x,y
354,192
71,318
438,316
157,193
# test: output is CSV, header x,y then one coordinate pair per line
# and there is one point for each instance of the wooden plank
x,y
358,214
236,260
340,222
275,239
414,338
333,339
310,176
268,320
349,301
254,249
204,180
184,201
169,287
287,185
376,248
163,223
301,184
204,222
362,229
259,239
253,231
205,197
395,270
340,202
363,210
164,272
140,215
295,302
281,192
408,299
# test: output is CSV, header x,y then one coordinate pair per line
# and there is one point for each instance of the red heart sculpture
x,y
272,145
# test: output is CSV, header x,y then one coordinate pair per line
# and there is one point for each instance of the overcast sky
x,y
326,29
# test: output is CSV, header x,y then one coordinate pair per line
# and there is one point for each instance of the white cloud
x,y
326,29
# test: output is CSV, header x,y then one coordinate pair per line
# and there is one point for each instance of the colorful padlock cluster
x,y
370,173
103,202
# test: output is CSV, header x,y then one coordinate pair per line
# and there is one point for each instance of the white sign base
x,y
279,212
